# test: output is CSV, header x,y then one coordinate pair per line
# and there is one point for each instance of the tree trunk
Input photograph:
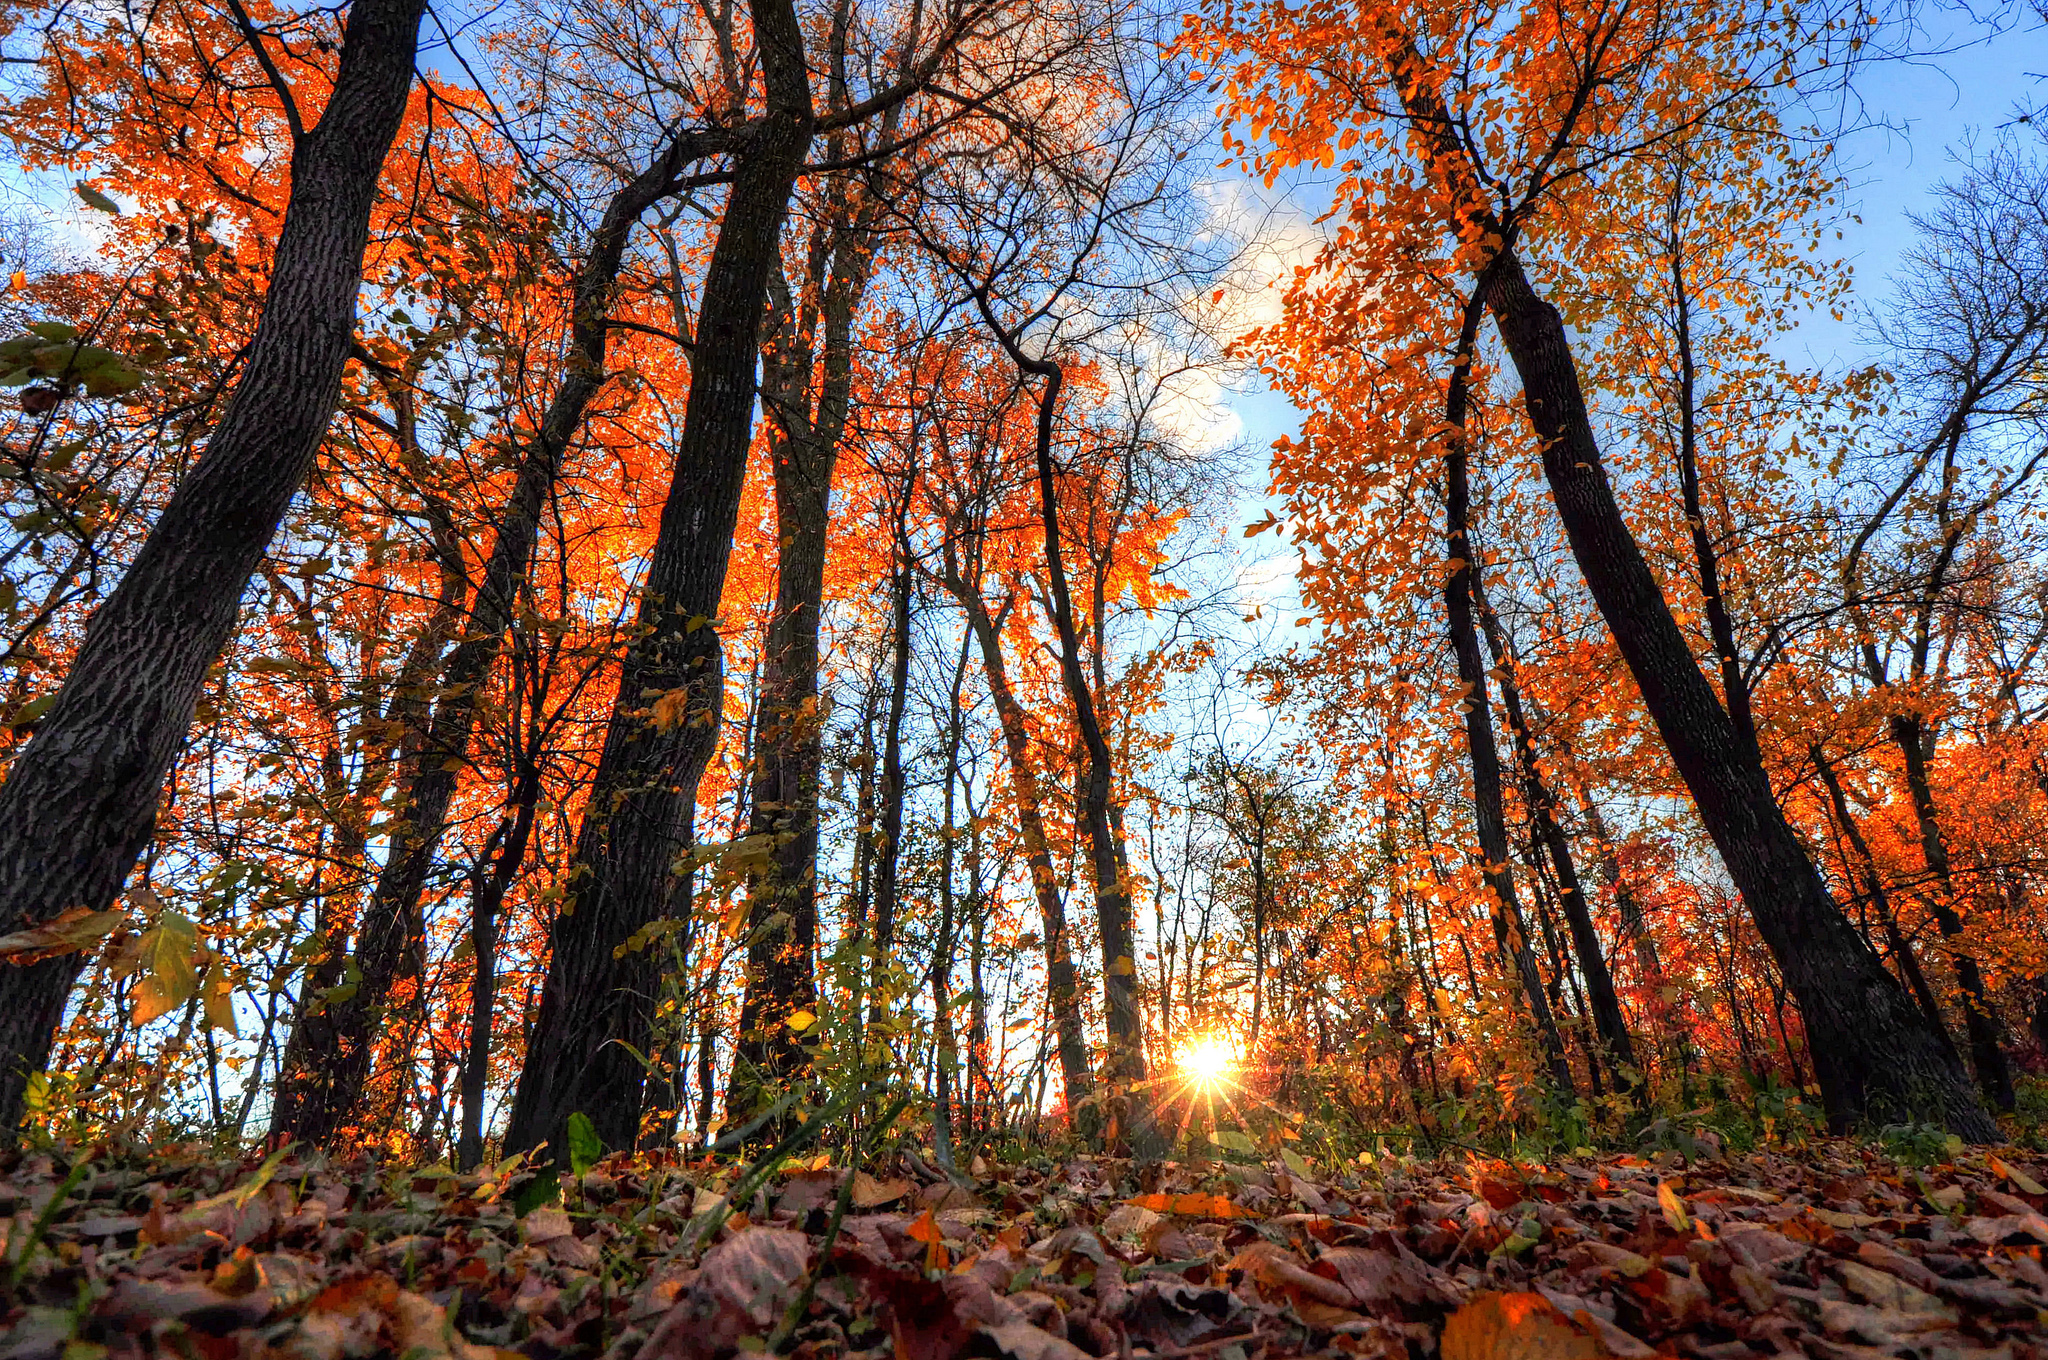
x,y
806,419
1477,704
1874,1054
1125,1067
1542,805
328,1059
1901,948
485,903
1063,991
1980,1018
81,799
597,1004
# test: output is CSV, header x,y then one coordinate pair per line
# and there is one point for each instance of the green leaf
x,y
56,332
168,977
586,1149
95,199
1230,1140
542,1189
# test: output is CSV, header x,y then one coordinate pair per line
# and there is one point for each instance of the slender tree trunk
x,y
1063,991
1980,1018
1125,1067
80,800
1626,904
486,901
1542,805
1902,950
1477,705
889,810
806,397
598,997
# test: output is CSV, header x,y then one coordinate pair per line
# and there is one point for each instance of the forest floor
x,y
1833,1251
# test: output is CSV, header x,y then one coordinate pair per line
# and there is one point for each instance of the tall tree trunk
x,y
486,900
1874,1055
1125,1067
81,799
598,997
1483,756
1542,805
889,808
1063,991
1626,904
806,416
328,1058
1980,1019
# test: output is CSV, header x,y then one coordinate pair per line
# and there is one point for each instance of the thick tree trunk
x,y
1980,1019
1874,1054
328,1059
81,800
1063,990
598,998
1477,705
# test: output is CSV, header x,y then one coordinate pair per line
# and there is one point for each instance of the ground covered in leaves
x,y
1834,1252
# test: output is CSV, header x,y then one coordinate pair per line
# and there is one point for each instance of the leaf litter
x,y
1835,1252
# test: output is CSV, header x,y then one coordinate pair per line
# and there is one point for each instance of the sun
x,y
1208,1062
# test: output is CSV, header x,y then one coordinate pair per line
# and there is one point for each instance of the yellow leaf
x,y
1674,1208
220,1000
801,1021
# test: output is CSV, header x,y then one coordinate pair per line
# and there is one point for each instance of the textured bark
x,y
81,800
1874,1055
1062,983
328,1059
1477,704
597,1008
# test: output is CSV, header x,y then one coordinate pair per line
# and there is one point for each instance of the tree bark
x,y
807,413
597,1005
1874,1055
1125,1068
81,799
1542,805
1980,1020
1901,948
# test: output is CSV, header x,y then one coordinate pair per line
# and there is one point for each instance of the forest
x,y
667,687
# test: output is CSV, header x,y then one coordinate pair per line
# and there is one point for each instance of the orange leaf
x,y
1516,1327
1192,1206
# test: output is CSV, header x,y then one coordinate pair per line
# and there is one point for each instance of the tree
x,y
80,803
